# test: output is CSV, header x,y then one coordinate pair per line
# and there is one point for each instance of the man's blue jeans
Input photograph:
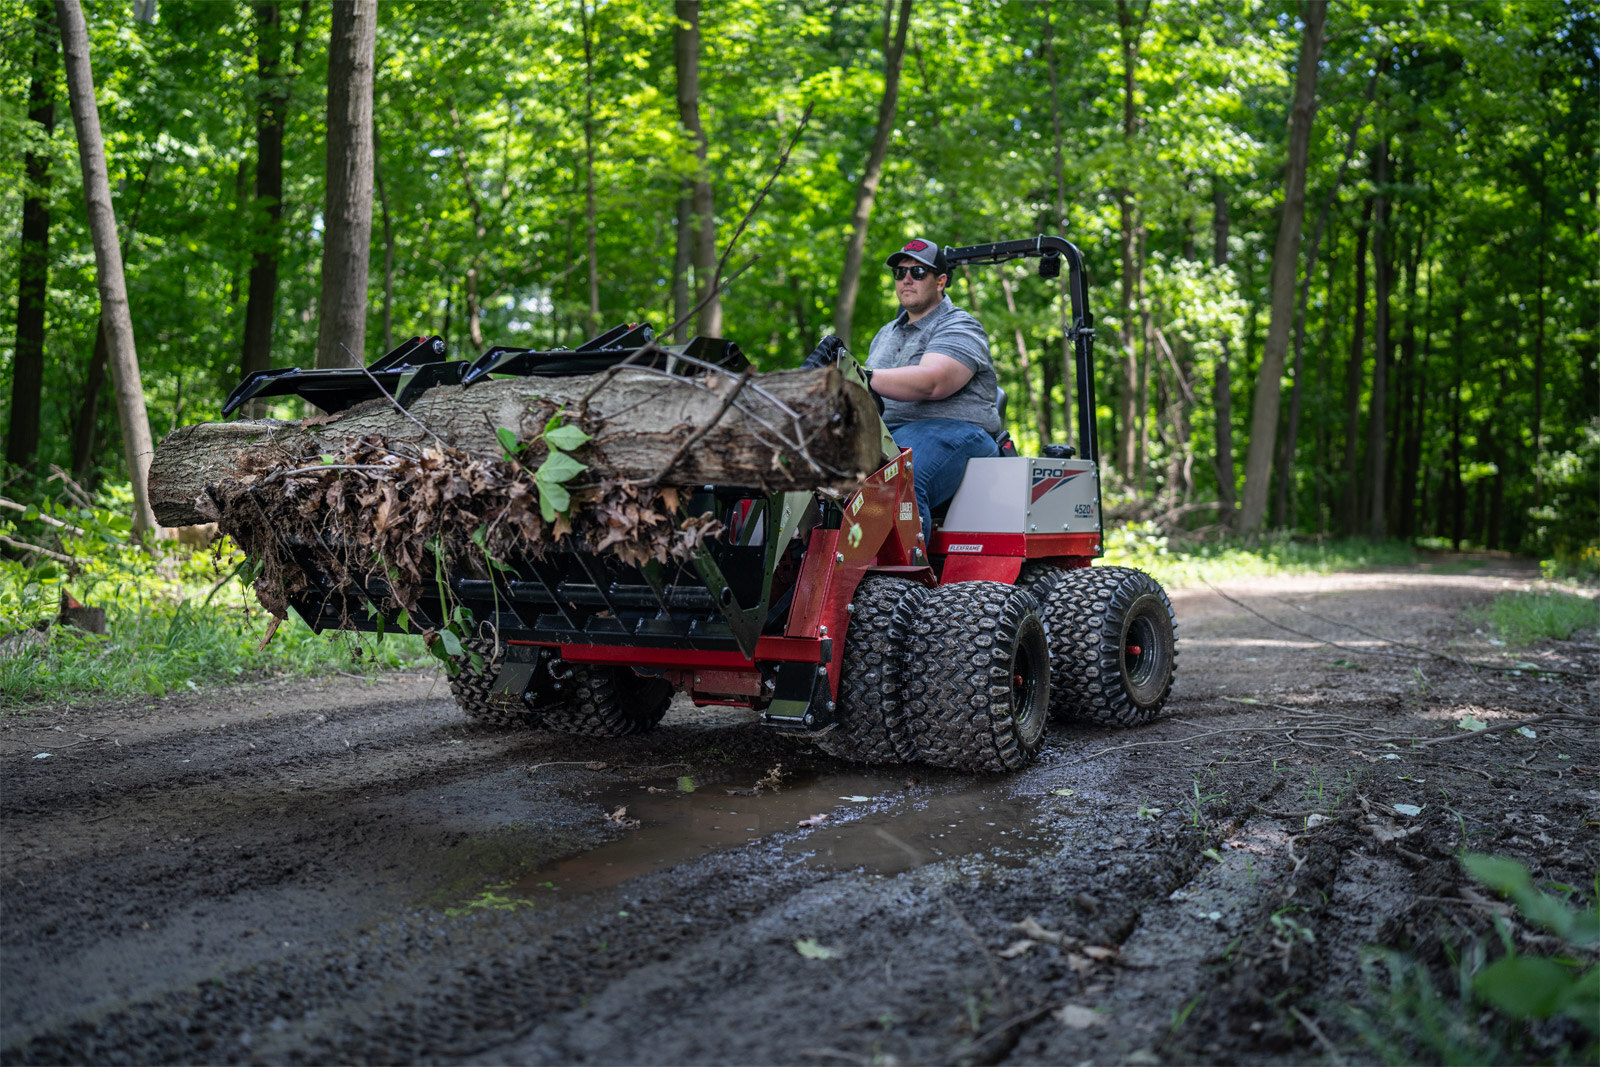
x,y
940,449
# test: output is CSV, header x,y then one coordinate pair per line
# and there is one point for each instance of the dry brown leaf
x,y
1016,948
1077,1017
1100,952
815,820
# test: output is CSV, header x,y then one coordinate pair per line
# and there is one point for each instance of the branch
x,y
692,439
48,520
23,546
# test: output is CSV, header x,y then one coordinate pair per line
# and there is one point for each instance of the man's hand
x,y
826,354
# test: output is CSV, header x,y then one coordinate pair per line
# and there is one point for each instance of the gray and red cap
x,y
926,252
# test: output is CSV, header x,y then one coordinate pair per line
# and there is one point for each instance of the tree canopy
x,y
1442,375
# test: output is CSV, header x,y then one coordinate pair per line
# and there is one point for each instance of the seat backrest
x,y
1000,401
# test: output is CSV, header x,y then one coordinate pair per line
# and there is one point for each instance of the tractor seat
x,y
1002,439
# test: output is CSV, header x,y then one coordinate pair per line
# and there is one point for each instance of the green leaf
x,y
1524,987
566,437
476,660
403,620
508,441
552,498
1582,1001
451,643
559,467
812,950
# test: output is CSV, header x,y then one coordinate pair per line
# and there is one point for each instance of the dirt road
x,y
350,872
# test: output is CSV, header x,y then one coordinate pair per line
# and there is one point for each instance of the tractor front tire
x,y
474,691
598,701
871,725
1113,642
978,688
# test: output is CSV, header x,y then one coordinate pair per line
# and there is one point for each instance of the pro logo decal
x,y
1048,478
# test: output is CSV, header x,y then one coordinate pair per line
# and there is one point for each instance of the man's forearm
x,y
935,378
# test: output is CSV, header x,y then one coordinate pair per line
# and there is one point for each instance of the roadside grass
x,y
176,619
1523,618
1140,545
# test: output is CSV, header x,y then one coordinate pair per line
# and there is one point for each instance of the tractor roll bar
x,y
1050,251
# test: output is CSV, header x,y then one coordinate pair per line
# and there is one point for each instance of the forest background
x,y
1429,370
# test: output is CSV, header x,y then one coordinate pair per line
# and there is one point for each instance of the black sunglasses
x,y
918,273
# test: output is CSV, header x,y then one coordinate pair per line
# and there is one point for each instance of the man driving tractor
x,y
930,366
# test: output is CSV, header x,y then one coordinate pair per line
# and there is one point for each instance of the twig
x,y
782,162
1435,652
694,438
1316,1032
290,473
1015,1021
1553,717
1174,741
23,546
655,346
362,367
78,494
1302,633
48,520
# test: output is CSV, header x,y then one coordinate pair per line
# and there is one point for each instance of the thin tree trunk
x,y
1402,500
894,51
1355,371
686,49
347,211
1286,454
1324,360
1378,406
33,262
1222,383
590,249
1024,365
261,300
124,359
682,257
1285,257
1538,348
1130,29
1458,512
85,425
1068,362
388,243
1142,464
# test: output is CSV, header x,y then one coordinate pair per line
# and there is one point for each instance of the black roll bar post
x,y
1047,248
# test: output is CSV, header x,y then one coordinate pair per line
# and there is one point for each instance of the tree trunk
x,y
1355,371
33,262
1458,510
1324,364
1538,348
1403,499
1269,380
590,250
682,257
1142,462
894,52
388,242
267,210
117,320
1068,360
1222,383
347,210
1024,365
654,415
686,49
1130,29
1286,454
1377,407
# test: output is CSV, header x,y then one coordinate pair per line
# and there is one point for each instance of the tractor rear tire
x,y
474,691
978,687
871,725
1113,643
601,701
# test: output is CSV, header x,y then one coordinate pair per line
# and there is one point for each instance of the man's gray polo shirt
x,y
949,331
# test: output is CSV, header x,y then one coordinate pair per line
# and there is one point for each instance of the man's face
x,y
918,296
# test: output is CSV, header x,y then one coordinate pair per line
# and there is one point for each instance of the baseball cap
x,y
923,251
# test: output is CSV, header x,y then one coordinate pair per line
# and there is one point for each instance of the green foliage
x,y
1412,1020
1535,616
1143,546
176,619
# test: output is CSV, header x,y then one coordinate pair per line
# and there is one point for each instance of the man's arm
x,y
936,377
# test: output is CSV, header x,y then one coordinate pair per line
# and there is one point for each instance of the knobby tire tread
x,y
1087,615
959,691
871,725
473,689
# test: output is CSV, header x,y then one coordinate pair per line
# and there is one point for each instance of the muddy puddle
x,y
876,824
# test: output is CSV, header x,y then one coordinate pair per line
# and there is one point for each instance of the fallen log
x,y
789,430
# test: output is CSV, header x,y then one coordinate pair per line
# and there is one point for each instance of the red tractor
x,y
825,614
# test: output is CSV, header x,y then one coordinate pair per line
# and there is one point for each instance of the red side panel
x,y
1026,546
981,569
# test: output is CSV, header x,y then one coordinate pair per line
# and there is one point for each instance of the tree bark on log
x,y
790,430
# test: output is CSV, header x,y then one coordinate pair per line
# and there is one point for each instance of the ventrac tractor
x,y
824,613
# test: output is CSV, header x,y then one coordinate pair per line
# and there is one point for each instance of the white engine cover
x,y
1021,494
